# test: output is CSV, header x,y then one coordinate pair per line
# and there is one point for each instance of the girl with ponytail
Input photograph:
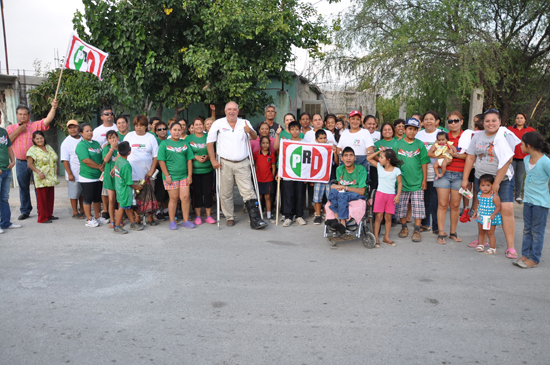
x,y
536,198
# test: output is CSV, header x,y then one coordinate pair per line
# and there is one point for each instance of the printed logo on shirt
x,y
94,150
117,173
409,154
226,130
344,182
356,142
198,145
176,149
484,150
139,145
4,140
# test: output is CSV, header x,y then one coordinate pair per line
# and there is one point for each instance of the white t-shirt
x,y
232,144
429,139
67,153
100,134
144,149
310,137
359,141
375,136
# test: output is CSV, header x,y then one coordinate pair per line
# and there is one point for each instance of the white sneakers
x,y
92,223
287,222
1,230
102,220
13,226
301,221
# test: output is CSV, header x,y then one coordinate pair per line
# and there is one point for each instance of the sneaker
x,y
102,220
188,224
210,220
15,226
1,231
272,220
287,222
416,237
92,223
318,219
160,216
301,221
519,200
351,224
119,230
198,221
173,225
404,232
136,227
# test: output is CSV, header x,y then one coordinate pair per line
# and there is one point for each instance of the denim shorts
x,y
451,180
505,191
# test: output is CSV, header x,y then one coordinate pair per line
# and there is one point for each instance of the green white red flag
x,y
85,58
302,161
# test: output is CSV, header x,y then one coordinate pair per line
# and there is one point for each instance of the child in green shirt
x,y
109,154
124,185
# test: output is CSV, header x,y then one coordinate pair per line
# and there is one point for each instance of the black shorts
x,y
91,192
472,175
265,187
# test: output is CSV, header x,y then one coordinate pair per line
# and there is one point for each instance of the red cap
x,y
355,112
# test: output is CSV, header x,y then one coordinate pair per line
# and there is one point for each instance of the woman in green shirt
x,y
42,160
203,175
161,131
175,159
91,166
388,140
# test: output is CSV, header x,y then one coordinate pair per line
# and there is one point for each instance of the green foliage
x,y
430,51
173,53
80,96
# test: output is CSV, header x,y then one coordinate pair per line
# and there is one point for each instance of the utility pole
x,y
5,41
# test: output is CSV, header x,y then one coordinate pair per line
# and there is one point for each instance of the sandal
x,y
377,245
475,243
441,240
454,237
424,229
436,232
390,242
511,253
78,216
480,248
112,225
490,251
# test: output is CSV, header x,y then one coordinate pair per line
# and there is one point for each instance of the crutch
x,y
254,178
218,182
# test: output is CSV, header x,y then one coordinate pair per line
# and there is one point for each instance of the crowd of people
x,y
168,171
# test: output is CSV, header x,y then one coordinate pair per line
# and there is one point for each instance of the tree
x,y
433,50
174,53
80,96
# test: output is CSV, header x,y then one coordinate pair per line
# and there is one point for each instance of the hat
x,y
413,122
72,122
355,112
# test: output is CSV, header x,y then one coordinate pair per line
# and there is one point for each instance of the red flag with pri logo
x,y
302,161
85,58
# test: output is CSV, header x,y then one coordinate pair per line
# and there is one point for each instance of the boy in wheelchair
x,y
346,204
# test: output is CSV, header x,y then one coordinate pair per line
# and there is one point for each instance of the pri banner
x,y
302,161
85,58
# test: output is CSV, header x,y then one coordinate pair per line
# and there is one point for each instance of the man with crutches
x,y
231,135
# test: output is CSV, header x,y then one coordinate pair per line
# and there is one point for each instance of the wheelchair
x,y
362,212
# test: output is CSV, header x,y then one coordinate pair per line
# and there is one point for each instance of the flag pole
x,y
278,200
58,83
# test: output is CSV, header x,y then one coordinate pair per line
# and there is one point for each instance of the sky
x,y
36,29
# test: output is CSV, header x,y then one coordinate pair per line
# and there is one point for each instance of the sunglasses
x,y
161,129
491,111
451,121
107,114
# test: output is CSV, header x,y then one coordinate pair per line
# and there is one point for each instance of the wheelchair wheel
x,y
367,237
370,209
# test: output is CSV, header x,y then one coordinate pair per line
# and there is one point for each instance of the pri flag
x,y
85,58
302,161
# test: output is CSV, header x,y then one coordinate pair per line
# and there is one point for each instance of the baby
x,y
445,150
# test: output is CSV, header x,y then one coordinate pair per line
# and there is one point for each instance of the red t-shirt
x,y
263,166
519,133
458,164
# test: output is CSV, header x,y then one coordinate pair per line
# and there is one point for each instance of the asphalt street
x,y
76,295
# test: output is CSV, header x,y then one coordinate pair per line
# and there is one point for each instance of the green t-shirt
x,y
108,181
357,179
413,155
5,143
91,150
198,147
123,181
382,142
286,134
175,154
121,136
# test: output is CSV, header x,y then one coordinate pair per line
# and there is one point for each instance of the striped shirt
x,y
23,141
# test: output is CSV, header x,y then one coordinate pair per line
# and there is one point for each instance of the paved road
x,y
76,295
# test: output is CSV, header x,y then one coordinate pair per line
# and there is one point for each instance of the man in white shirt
x,y
231,134
72,167
100,133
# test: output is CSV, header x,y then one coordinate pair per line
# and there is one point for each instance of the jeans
x,y
340,202
24,176
519,171
430,206
534,225
5,212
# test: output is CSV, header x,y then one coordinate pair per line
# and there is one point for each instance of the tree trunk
x,y
158,112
